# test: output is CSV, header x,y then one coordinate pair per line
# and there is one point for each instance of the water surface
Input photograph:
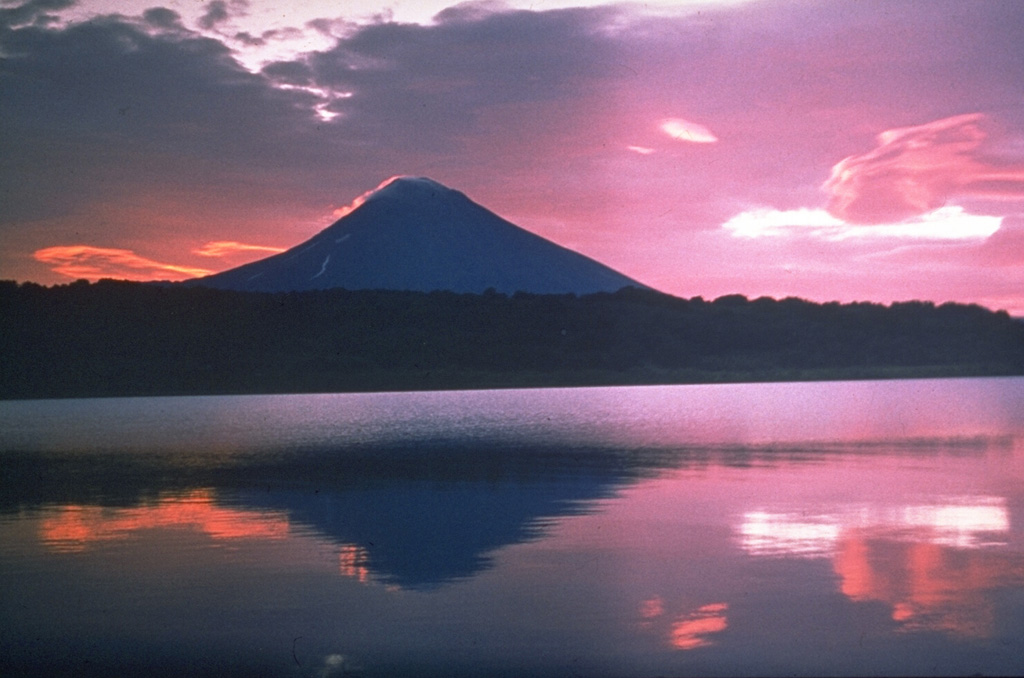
x,y
785,529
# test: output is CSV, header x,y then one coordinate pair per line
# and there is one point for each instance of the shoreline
x,y
385,382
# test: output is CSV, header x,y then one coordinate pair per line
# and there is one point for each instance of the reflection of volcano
x,y
420,520
414,534
935,565
409,518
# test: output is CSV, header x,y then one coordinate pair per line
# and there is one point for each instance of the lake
x,y
831,528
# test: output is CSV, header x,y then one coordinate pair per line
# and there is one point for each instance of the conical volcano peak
x,y
404,187
413,233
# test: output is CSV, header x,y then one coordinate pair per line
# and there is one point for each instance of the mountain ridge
x,y
416,234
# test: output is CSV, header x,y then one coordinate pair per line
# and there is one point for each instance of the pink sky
x,y
831,151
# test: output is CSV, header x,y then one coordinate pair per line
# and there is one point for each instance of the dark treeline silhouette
x,y
120,338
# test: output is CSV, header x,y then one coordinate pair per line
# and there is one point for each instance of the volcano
x,y
413,233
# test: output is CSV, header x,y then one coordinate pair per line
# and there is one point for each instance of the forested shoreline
x,y
114,338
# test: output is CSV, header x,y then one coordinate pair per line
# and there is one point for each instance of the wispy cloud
x,y
917,169
224,248
93,263
684,130
358,201
946,223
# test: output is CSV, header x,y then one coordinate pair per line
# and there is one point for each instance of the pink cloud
x,y
914,170
92,263
345,210
223,248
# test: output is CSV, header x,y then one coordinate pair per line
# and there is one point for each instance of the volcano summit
x,y
413,233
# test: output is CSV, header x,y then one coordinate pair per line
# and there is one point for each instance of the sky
x,y
848,151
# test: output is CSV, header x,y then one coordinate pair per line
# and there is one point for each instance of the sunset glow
x,y
91,263
836,151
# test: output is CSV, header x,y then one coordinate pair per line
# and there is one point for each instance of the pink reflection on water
x,y
935,565
693,630
74,527
928,586
353,561
687,631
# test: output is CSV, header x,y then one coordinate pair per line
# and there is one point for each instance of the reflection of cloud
x,y
684,130
961,525
353,561
688,631
691,631
73,528
945,223
928,586
964,522
223,248
914,170
70,529
92,263
931,563
774,534
333,665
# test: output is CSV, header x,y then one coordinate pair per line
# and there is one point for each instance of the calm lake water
x,y
770,529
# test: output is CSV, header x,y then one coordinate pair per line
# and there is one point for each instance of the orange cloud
x,y
92,263
223,248
915,170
